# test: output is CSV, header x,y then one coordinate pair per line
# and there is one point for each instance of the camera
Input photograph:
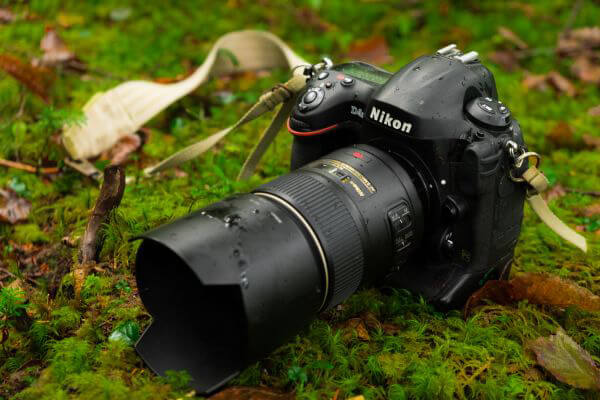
x,y
399,180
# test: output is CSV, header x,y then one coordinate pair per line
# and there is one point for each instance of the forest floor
x,y
56,345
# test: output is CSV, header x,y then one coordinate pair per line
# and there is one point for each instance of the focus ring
x,y
334,225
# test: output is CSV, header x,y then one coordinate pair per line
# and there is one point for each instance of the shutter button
x,y
310,97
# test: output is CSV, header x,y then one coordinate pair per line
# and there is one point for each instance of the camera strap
x,y
123,109
538,183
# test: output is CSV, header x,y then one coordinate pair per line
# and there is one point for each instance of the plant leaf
x,y
566,360
542,289
128,332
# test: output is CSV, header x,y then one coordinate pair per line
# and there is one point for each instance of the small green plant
x,y
12,306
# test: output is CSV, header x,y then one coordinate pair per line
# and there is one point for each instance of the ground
x,y
59,347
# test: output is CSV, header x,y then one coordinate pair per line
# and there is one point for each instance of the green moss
x,y
29,233
427,354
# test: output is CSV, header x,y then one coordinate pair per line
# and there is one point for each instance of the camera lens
x,y
251,271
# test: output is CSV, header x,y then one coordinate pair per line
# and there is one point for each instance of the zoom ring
x,y
333,224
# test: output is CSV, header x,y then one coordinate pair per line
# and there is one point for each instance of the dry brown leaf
x,y
553,79
561,135
586,70
35,79
507,59
591,210
357,325
554,192
542,289
566,360
561,84
13,208
122,149
593,142
306,16
579,41
373,50
6,16
594,111
512,37
251,393
55,50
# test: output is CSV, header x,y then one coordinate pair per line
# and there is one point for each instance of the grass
x,y
414,351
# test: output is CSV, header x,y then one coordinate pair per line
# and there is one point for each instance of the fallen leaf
x,y
566,360
512,38
561,84
542,289
55,50
578,41
33,78
553,79
373,50
251,393
532,81
591,210
128,332
561,135
56,53
507,59
357,325
6,16
593,142
555,192
594,111
586,70
13,208
122,149
308,17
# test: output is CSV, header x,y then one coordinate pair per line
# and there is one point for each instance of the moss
x,y
416,351
29,233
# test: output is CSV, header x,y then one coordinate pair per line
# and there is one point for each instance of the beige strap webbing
x,y
284,93
124,109
538,183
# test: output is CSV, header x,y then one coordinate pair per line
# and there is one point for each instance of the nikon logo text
x,y
386,119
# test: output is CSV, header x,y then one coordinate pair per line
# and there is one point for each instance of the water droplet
x,y
241,263
236,253
244,280
256,211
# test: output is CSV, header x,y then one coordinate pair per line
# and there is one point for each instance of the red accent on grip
x,y
310,133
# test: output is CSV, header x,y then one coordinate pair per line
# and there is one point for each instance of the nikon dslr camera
x,y
397,179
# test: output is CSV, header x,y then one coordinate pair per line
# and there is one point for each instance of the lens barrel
x,y
229,283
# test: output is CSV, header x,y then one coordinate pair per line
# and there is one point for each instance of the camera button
x,y
329,85
503,109
323,75
310,97
347,81
486,107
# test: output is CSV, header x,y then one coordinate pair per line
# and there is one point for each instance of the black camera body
x,y
398,180
441,119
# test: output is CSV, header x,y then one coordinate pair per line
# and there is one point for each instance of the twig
x,y
28,168
592,193
572,16
110,197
